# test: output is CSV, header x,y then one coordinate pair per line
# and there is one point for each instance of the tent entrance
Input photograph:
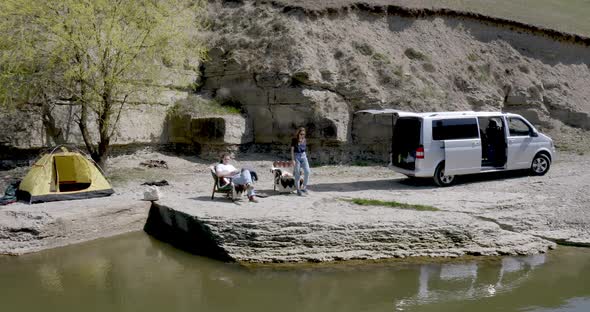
x,y
71,173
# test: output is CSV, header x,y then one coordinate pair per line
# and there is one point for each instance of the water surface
x,y
134,272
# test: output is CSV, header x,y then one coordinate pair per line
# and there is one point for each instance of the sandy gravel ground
x,y
555,206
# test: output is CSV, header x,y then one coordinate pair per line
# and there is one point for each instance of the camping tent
x,y
63,175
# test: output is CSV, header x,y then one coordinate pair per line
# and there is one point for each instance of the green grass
x,y
473,57
569,16
414,54
363,47
197,106
398,71
381,58
392,204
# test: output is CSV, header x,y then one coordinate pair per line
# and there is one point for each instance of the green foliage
x,y
231,106
414,54
390,74
301,77
427,92
361,163
398,71
380,58
570,16
482,73
393,204
198,106
473,57
95,54
363,47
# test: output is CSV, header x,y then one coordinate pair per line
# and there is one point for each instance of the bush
x,y
415,55
198,106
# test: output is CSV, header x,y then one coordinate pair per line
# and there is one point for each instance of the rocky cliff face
x,y
295,66
289,66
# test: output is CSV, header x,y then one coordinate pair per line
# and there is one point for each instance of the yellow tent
x,y
63,175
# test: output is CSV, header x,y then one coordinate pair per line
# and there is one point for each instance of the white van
x,y
445,144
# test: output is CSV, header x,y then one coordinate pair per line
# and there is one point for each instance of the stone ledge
x,y
30,228
333,230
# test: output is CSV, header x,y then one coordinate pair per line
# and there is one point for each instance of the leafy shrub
x,y
363,48
415,55
198,106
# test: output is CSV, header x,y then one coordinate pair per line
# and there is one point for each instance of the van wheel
x,y
440,178
540,165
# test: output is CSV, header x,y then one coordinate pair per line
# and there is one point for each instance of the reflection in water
x,y
96,271
571,305
456,282
50,278
137,273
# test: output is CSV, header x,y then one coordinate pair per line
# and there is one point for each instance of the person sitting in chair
x,y
227,172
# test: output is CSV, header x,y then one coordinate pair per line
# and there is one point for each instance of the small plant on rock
x,y
363,48
392,204
381,58
413,54
473,57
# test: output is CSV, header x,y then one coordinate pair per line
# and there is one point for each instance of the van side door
x,y
520,143
461,143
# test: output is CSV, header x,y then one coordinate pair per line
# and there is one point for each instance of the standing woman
x,y
299,159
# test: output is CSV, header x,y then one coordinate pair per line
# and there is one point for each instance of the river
x,y
135,272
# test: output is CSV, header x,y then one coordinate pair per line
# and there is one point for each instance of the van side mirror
x,y
534,133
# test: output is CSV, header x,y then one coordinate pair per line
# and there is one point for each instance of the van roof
x,y
389,111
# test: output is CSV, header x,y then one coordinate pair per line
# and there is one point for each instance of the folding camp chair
x,y
283,180
219,186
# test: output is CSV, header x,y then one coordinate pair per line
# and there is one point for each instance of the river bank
x,y
494,214
134,271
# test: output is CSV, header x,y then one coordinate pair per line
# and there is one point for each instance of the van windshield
x,y
406,139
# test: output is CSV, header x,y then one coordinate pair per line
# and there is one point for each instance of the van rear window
x,y
455,129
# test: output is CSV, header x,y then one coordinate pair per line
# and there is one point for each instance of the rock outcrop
x,y
314,66
56,224
287,64
330,231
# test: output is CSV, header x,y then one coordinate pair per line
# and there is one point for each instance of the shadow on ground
x,y
261,193
413,183
492,176
378,185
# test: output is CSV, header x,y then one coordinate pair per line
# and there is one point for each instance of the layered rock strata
x,y
287,64
334,231
311,65
31,228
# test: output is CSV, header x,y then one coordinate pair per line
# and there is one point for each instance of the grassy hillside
x,y
563,15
